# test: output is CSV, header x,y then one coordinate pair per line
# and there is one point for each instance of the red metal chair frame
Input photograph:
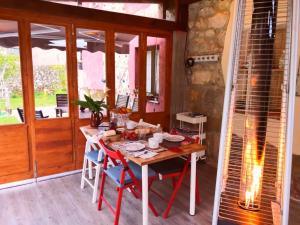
x,y
115,156
177,183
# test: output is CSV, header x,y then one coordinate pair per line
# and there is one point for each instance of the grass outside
x,y
9,120
41,100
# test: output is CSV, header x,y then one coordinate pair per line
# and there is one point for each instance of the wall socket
x,y
206,58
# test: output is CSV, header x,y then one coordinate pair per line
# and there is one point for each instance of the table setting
x,y
145,144
150,145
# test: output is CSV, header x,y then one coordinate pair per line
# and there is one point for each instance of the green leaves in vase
x,y
94,106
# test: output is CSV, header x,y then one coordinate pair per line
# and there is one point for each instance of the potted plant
x,y
95,107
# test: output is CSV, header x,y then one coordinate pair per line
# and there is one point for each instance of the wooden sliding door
x,y
52,87
48,61
14,117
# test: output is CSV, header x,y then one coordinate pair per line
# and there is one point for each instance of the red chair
x,y
176,169
125,175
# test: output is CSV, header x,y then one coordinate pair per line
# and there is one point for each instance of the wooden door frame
x,y
25,79
25,17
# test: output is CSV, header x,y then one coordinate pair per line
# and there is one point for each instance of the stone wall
x,y
208,20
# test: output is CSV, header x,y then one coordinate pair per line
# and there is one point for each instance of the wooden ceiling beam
x,y
54,9
187,2
115,1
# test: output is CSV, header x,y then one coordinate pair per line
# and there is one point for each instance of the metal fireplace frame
x,y
290,113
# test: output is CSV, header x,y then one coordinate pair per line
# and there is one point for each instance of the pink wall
x,y
92,64
134,43
93,69
152,107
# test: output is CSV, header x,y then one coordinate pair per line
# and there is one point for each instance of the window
x,y
91,66
126,70
151,10
11,93
156,74
152,71
49,71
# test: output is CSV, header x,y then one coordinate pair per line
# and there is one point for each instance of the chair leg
x,y
173,182
83,172
101,190
96,183
90,170
155,213
118,208
133,192
172,199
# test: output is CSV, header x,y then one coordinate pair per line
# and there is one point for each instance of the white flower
x,y
97,94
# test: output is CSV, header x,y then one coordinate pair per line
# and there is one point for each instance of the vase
x,y
96,118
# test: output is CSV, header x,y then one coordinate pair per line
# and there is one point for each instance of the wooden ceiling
x,y
46,7
181,2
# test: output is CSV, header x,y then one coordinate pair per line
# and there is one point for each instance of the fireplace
x,y
255,142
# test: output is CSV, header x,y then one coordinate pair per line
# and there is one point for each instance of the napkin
x,y
148,154
145,154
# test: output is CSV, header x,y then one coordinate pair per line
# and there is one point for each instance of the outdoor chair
x,y
135,105
125,176
61,104
38,114
122,101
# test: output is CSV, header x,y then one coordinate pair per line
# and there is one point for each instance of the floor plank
x,y
62,202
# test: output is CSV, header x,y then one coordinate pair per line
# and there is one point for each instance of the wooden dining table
x,y
188,149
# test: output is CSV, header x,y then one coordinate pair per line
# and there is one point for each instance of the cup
x,y
153,143
130,125
158,137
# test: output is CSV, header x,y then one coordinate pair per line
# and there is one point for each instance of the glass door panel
x,y
49,71
14,151
53,138
155,74
11,92
91,67
126,71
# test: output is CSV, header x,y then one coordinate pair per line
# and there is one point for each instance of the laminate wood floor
x,y
61,202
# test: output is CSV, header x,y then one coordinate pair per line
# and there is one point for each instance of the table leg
x,y
145,194
193,184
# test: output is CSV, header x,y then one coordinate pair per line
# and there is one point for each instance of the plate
x,y
174,138
134,147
